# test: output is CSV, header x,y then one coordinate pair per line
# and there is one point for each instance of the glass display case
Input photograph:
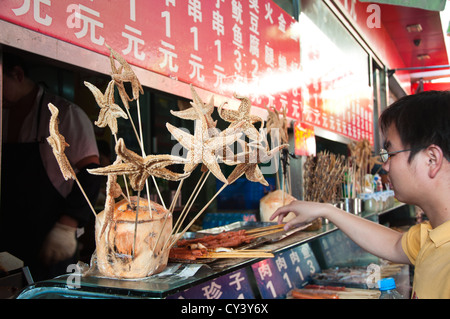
x,y
297,257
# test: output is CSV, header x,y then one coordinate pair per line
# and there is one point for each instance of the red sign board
x,y
305,142
248,47
337,96
223,46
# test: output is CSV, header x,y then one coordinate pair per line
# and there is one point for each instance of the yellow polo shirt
x,y
428,250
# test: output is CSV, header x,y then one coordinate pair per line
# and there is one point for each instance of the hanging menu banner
x,y
248,47
337,96
290,269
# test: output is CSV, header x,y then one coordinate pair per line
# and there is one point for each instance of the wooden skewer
x,y
237,254
179,235
190,202
124,178
177,194
266,233
260,229
86,197
185,212
262,250
136,224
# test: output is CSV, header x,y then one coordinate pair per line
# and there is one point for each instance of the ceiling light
x,y
414,28
441,80
423,57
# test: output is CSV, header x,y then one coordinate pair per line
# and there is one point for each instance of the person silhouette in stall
x,y
40,212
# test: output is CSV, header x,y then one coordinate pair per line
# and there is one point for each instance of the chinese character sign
x,y
247,47
289,269
337,96
235,285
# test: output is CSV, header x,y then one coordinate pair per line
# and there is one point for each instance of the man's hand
x,y
305,212
59,245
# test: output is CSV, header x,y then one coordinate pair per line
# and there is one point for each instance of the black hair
x,y
12,60
421,120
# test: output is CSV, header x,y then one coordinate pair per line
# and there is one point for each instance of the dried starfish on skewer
x,y
202,111
202,148
241,114
275,122
109,110
139,168
247,162
59,144
277,127
124,74
192,113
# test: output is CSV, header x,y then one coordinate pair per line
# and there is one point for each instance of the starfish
x,y
109,111
242,114
192,114
59,144
274,122
139,168
124,74
247,162
203,148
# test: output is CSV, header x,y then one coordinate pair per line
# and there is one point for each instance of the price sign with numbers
x,y
235,285
221,46
289,269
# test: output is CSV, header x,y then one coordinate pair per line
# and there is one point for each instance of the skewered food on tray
x,y
225,244
332,292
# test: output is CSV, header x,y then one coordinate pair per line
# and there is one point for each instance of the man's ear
x,y
434,158
18,73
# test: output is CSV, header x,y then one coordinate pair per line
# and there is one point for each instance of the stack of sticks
x,y
351,182
265,231
323,176
360,163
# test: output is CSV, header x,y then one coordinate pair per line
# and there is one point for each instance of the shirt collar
x,y
441,234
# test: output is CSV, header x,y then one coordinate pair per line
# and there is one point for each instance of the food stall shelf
x,y
175,278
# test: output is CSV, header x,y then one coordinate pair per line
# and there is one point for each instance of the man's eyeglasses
x,y
385,155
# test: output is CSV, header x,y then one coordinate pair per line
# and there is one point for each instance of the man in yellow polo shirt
x,y
416,156
429,249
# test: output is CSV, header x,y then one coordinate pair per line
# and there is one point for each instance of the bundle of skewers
x,y
359,164
144,251
323,176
